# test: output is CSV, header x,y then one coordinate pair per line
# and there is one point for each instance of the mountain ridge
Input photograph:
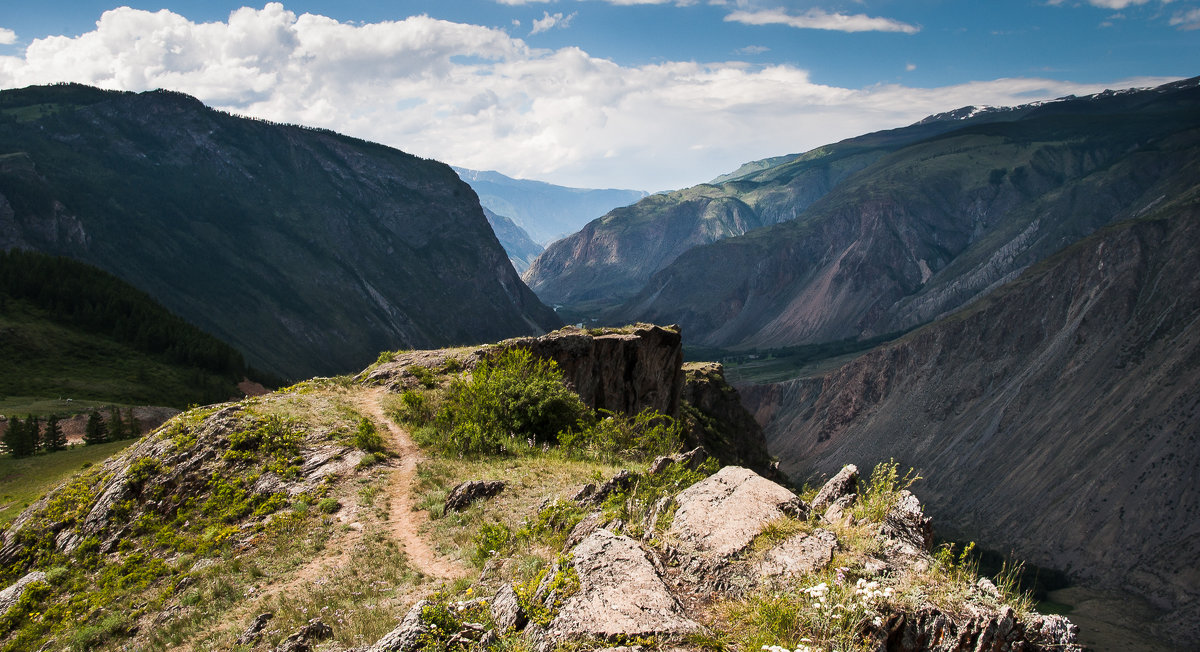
x,y
307,250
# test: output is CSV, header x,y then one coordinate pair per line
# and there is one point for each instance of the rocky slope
x,y
546,211
306,250
307,518
1056,418
934,225
517,244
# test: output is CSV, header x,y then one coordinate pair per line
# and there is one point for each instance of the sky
x,y
643,94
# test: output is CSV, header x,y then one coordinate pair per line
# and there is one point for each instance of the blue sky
x,y
600,93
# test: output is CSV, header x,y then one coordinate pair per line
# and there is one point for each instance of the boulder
x,y
931,630
839,510
842,484
407,634
254,631
10,595
907,527
620,595
622,481
800,554
720,515
507,611
466,493
306,639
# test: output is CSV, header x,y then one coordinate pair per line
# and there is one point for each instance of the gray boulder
x,y
507,611
906,527
620,595
720,515
10,595
466,493
800,554
842,484
407,634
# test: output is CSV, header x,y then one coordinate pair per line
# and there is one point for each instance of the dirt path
x,y
404,522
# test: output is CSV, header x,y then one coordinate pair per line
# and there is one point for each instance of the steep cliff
x,y
520,248
1056,418
306,250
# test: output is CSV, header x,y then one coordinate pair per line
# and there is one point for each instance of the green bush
x,y
514,401
328,505
618,437
366,437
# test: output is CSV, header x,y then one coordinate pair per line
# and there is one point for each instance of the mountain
x,y
306,250
545,211
333,515
71,330
1056,417
521,249
879,233
933,225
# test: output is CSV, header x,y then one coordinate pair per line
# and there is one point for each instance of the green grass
x,y
24,480
47,359
44,406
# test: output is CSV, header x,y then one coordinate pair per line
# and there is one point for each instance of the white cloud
x,y
1186,20
1110,4
753,49
910,67
477,97
549,21
7,36
820,19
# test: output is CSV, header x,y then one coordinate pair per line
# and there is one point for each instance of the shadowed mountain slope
x,y
1056,418
306,250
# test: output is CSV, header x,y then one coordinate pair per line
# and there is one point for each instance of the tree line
x,y
25,438
91,299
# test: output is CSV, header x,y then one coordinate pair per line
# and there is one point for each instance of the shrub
x,y
618,437
328,505
515,400
366,437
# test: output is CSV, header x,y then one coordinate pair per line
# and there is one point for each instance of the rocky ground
x,y
310,519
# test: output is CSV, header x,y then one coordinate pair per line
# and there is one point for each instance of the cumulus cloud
x,y
478,97
7,36
549,21
910,67
821,19
1187,20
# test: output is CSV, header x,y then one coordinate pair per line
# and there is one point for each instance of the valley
x,y
1004,301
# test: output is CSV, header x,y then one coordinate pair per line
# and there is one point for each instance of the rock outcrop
x,y
620,595
462,495
719,517
609,589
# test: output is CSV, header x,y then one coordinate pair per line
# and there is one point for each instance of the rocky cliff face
x,y
933,225
623,370
308,251
520,248
1056,418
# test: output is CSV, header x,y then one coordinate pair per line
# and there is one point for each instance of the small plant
x,y
492,540
328,505
366,437
882,491
617,437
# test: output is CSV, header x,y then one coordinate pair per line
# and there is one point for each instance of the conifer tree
x,y
20,439
95,432
131,425
116,425
53,438
12,434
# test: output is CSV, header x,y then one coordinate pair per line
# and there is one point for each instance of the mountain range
x,y
543,210
880,233
308,251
